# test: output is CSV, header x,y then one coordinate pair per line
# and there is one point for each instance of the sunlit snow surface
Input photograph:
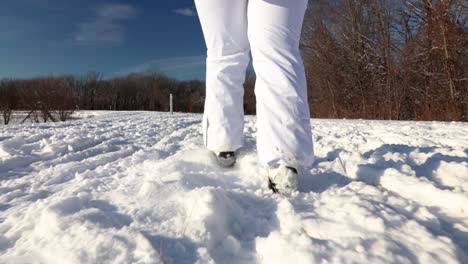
x,y
138,187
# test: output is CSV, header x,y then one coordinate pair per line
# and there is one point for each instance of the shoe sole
x,y
224,163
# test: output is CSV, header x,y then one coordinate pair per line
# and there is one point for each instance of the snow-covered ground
x,y
138,187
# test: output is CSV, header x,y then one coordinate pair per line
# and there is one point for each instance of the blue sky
x,y
43,37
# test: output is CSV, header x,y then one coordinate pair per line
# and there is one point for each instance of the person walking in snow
x,y
270,30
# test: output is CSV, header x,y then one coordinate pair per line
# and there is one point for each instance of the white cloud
x,y
189,11
106,26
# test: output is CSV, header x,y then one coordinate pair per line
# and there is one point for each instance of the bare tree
x,y
8,99
387,59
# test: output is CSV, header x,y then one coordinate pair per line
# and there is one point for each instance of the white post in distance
x,y
171,106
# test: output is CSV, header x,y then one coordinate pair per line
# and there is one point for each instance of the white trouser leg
x,y
284,132
224,24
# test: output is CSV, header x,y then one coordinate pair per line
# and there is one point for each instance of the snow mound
x,y
138,187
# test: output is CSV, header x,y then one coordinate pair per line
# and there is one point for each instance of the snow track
x,y
138,187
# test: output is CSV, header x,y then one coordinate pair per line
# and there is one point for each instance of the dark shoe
x,y
226,159
282,179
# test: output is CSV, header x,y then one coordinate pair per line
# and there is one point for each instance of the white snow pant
x,y
271,30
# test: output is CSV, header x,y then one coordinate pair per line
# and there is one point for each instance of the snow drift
x,y
138,187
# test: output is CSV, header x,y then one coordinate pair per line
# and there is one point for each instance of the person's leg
x,y
284,132
224,24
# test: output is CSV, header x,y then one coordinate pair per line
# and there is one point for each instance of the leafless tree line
x,y
387,59
47,101
55,98
144,91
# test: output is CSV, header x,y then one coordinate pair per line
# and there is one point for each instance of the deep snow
x,y
138,187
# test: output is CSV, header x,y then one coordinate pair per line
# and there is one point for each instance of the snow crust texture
x,y
138,187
